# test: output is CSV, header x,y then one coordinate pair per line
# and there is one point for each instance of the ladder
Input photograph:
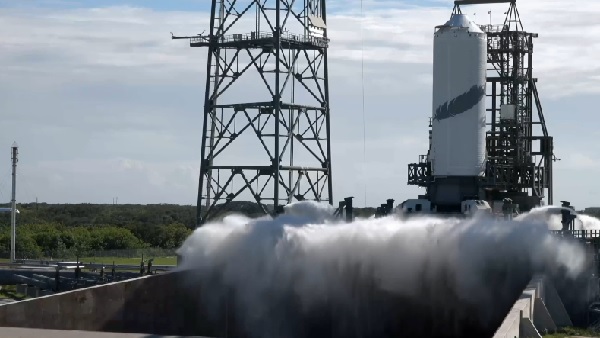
x,y
214,77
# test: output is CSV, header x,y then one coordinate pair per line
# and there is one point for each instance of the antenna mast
x,y
13,203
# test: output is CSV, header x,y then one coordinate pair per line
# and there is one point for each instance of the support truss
x,y
266,116
520,150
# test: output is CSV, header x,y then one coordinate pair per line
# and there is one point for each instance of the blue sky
x,y
103,103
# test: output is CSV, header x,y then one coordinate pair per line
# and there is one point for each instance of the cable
x,y
362,75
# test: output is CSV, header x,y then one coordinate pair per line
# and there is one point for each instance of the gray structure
x,y
520,152
279,47
176,304
13,202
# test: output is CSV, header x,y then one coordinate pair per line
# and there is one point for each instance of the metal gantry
x,y
270,147
520,152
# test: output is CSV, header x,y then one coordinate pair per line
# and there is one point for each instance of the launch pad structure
x,y
513,162
519,149
280,47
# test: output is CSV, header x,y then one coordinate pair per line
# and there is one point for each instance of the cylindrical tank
x,y
459,116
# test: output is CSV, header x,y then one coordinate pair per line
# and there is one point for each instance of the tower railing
x,y
197,41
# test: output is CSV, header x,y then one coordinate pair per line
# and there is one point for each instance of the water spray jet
x,y
301,272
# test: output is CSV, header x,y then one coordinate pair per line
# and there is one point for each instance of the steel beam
x,y
286,124
482,2
515,164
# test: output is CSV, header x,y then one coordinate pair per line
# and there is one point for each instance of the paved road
x,y
11,332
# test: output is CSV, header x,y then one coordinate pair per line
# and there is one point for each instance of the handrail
x,y
583,234
286,36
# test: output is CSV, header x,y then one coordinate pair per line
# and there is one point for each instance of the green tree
x,y
26,247
113,238
173,235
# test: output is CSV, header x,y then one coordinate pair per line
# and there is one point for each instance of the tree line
x,y
69,230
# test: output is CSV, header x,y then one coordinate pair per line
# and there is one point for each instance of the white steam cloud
x,y
317,260
551,216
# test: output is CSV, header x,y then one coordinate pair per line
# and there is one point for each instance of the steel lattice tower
x,y
520,149
272,148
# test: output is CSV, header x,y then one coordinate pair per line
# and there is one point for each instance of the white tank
x,y
459,116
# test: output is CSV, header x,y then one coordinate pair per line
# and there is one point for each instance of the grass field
x,y
572,332
10,292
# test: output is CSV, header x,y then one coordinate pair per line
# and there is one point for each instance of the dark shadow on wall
x,y
365,311
163,305
461,103
183,304
161,336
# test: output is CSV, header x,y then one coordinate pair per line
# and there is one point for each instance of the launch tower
x,y
265,135
488,137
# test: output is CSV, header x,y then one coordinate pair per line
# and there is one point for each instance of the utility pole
x,y
13,203
285,53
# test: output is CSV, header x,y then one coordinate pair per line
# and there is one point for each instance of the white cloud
x,y
563,66
82,88
582,162
99,180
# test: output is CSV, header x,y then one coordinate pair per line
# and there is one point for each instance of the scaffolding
x,y
520,156
271,149
520,152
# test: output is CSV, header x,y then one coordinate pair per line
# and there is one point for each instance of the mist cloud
x,y
290,268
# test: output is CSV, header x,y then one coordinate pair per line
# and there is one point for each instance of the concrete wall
x,y
152,304
169,304
538,311
172,304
